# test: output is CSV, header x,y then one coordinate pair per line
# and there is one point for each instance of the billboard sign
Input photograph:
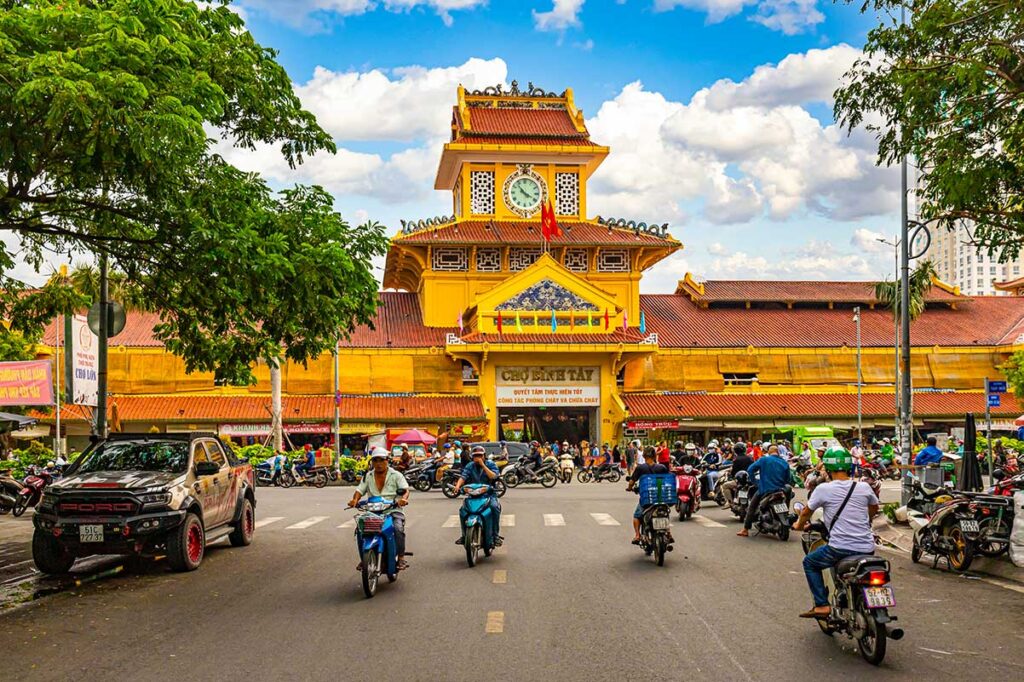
x,y
26,383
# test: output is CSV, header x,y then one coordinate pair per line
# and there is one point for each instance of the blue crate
x,y
658,489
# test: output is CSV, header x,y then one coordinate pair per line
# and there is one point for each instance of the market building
x,y
487,330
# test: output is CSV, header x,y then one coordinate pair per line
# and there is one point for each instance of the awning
x,y
32,432
13,422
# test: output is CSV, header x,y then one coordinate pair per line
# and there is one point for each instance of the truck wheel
x,y
241,536
50,556
187,544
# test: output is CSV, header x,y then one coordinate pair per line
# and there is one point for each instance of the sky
x,y
718,114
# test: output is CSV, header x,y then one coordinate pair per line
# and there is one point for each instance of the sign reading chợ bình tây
x,y
548,386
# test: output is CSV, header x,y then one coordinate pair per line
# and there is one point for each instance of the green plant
x,y
889,510
36,454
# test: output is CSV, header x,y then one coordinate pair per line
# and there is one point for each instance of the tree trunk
x,y
275,404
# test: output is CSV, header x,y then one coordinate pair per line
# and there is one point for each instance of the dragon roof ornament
x,y
514,91
411,226
653,229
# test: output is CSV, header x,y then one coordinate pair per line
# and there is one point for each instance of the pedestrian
x,y
631,452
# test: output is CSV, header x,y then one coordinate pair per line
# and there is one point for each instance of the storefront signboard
x,y
548,386
236,430
26,383
653,424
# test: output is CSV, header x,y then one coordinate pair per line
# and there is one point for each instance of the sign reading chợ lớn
x,y
548,386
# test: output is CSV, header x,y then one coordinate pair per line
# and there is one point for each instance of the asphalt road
x,y
566,598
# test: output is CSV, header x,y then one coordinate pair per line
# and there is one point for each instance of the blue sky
x,y
718,113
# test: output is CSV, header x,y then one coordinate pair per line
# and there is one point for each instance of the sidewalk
x,y
901,537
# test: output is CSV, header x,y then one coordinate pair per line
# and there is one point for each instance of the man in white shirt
x,y
383,481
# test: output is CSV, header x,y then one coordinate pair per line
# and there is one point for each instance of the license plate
x,y
90,533
743,494
969,526
780,508
660,523
879,597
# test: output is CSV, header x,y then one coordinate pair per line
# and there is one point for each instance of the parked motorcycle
x,y
943,526
375,542
10,489
423,476
32,490
657,496
688,490
518,473
592,473
316,478
478,534
860,595
566,467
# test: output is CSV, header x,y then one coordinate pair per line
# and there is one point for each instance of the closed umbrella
x,y
970,474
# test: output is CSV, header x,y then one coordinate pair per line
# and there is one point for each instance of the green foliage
x,y
1014,371
256,453
106,106
889,509
1007,442
947,90
888,292
35,454
15,345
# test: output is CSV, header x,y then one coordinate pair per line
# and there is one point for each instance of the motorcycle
x,y
860,595
265,475
316,478
592,473
375,541
566,467
32,490
515,474
478,534
688,491
657,496
773,517
723,477
10,488
423,476
744,491
943,526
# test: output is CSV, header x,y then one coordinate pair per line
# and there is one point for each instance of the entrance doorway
x,y
552,424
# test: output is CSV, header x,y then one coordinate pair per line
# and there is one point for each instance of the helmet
x,y
691,446
713,444
534,444
379,453
307,447
447,446
458,443
678,445
50,464
837,459
478,450
739,448
741,477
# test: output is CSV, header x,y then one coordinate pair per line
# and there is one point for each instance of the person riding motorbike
x,y
480,471
689,456
308,461
848,507
741,462
930,454
404,460
606,462
712,461
383,481
677,453
773,476
650,466
534,460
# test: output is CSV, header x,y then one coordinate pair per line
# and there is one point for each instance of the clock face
x,y
525,193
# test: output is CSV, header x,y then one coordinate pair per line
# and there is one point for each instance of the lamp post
x,y
860,383
337,409
896,337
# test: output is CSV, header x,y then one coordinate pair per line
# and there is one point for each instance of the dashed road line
x,y
348,524
451,522
311,521
267,521
508,520
554,520
604,519
495,623
708,523
500,576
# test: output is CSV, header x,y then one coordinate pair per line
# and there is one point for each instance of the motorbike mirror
x,y
798,507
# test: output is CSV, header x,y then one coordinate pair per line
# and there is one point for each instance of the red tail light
x,y
878,577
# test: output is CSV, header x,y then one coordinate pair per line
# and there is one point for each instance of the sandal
x,y
359,566
814,613
402,564
636,541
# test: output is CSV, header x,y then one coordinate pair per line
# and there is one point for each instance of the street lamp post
x,y
860,383
897,427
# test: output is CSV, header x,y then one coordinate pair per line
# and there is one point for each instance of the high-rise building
x,y
960,262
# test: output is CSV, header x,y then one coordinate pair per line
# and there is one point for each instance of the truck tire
x,y
241,536
187,544
49,555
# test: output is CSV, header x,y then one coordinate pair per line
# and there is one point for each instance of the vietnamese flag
x,y
499,323
548,225
607,319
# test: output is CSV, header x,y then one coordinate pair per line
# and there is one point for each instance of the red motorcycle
x,y
688,490
32,491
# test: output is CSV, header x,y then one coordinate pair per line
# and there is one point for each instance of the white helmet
x,y
379,453
691,446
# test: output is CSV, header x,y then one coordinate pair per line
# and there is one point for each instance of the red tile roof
x,y
138,331
398,324
681,323
295,408
527,232
525,139
774,291
781,407
518,126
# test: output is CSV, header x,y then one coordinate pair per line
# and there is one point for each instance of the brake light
x,y
878,577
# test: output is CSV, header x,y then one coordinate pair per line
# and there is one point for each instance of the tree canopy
x,y
888,292
107,108
947,90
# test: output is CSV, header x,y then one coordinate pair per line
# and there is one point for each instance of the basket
x,y
371,523
658,489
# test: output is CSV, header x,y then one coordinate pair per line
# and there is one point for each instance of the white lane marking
x,y
451,522
508,520
708,523
311,521
495,622
267,521
936,651
554,520
348,524
604,520
500,576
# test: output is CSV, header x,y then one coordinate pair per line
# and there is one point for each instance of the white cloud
x,y
788,16
814,260
868,241
741,149
562,15
316,15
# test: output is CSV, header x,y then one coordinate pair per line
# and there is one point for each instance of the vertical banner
x,y
83,359
26,383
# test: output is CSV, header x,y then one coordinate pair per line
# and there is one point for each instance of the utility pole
x,y
897,426
101,398
860,383
337,408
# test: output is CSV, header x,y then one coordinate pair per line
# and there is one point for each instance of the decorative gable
x,y
547,295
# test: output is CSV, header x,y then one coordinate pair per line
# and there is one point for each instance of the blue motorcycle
x,y
375,540
480,519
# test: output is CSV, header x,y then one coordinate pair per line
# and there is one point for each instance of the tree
x,y
947,90
15,346
888,292
105,106
85,280
1014,371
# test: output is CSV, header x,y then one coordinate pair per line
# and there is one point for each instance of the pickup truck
x,y
144,495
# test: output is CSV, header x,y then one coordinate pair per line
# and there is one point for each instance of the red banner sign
x,y
649,425
26,383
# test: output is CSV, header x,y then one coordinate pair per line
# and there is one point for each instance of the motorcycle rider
x,y
277,466
773,476
308,461
677,453
480,471
534,460
930,454
712,460
606,463
650,466
383,481
741,462
404,460
689,456
855,504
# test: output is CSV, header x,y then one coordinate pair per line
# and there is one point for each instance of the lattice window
x,y
481,192
450,259
458,198
488,260
615,260
577,260
520,258
567,193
